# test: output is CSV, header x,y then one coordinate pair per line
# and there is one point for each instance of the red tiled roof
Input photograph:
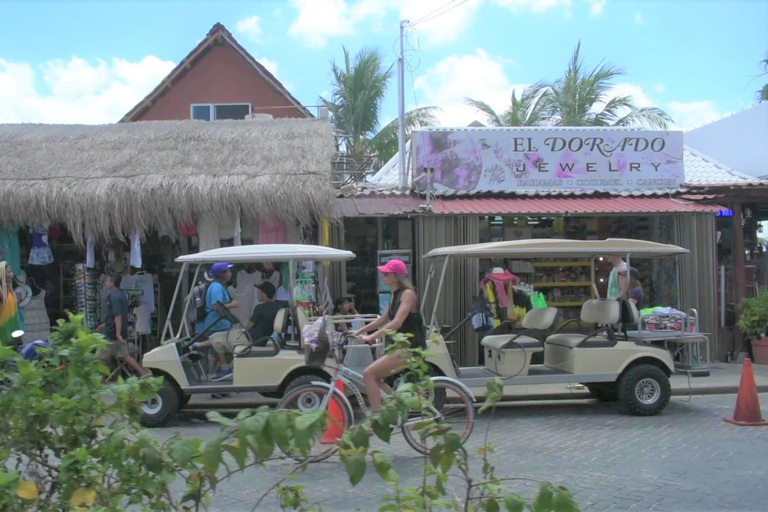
x,y
569,205
372,205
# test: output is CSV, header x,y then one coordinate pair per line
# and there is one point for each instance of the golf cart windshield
x,y
244,254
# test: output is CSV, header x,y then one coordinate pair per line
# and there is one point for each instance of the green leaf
x,y
279,429
238,451
307,420
514,503
383,467
211,456
360,437
215,417
382,431
8,478
256,424
182,451
446,461
491,505
392,507
389,416
543,500
6,353
563,501
355,468
435,454
245,413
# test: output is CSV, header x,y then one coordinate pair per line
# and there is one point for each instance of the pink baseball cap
x,y
394,267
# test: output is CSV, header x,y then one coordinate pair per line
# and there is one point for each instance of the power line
x,y
434,16
433,12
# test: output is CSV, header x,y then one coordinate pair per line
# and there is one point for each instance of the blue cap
x,y
219,268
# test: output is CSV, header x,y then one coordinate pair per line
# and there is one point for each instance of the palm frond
x,y
484,108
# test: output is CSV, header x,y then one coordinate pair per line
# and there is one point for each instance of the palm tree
x,y
524,111
359,86
762,94
582,98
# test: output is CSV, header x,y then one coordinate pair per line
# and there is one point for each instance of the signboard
x,y
547,159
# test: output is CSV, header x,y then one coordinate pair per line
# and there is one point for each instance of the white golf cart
x,y
616,364
270,370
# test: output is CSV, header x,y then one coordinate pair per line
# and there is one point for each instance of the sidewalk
x,y
723,380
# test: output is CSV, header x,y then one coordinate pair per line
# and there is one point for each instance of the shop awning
x,y
568,206
402,204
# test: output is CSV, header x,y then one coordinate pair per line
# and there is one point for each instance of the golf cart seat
x,y
561,348
510,354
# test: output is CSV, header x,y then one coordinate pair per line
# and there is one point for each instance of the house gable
x,y
218,70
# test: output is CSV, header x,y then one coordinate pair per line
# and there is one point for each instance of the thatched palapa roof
x,y
112,179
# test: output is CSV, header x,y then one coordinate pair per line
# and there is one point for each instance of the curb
x,y
577,395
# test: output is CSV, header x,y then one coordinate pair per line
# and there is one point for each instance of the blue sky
x,y
90,62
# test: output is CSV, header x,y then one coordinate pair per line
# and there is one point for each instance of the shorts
x,y
226,341
113,350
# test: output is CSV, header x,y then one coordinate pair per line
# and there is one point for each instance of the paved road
x,y
687,459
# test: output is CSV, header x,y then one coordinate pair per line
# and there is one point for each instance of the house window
x,y
216,112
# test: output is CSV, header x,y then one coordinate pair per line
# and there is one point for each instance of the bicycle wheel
x,y
450,406
309,398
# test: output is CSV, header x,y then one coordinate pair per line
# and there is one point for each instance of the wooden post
x,y
739,270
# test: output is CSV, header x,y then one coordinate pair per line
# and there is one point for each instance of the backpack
x,y
198,310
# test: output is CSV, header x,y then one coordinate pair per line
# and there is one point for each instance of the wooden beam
x,y
739,269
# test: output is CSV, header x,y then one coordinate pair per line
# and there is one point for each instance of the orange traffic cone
x,y
336,426
747,412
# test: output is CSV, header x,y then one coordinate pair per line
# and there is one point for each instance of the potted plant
x,y
753,322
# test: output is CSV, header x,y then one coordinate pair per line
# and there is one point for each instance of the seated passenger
x,y
261,325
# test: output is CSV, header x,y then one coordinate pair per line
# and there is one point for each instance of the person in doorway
x,y
216,292
10,320
403,316
635,289
115,329
617,279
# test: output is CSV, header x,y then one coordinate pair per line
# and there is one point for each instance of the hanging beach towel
x,y
538,301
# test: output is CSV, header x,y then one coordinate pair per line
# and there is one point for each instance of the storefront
x,y
79,202
470,193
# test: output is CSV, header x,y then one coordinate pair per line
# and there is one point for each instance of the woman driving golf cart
x,y
402,316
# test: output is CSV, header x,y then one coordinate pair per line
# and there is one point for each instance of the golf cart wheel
x,y
451,406
302,380
309,398
604,392
161,408
184,400
644,390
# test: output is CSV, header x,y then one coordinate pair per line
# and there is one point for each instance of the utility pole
x,y
401,108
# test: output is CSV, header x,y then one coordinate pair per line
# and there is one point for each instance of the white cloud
x,y
660,88
455,78
442,21
639,18
78,91
269,64
690,115
251,27
596,7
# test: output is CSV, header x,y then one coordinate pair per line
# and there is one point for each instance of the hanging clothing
x,y
272,231
40,254
9,318
244,298
10,251
136,250
188,229
145,283
38,325
490,295
90,257
500,280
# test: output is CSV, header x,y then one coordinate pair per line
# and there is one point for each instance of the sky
x,y
91,61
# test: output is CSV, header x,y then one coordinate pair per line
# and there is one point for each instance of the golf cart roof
x,y
559,248
268,253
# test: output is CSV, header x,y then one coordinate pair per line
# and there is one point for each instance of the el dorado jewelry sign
x,y
509,159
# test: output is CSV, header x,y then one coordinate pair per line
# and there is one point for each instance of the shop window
x,y
217,112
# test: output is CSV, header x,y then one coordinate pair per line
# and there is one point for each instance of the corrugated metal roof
x,y
567,206
380,205
700,170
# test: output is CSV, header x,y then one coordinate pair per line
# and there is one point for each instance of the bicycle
x,y
446,396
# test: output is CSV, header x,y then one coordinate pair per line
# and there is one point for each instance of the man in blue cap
x,y
217,292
